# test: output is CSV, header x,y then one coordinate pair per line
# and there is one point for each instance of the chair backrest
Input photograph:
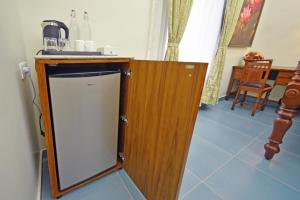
x,y
256,71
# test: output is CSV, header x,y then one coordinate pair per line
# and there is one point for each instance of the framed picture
x,y
247,23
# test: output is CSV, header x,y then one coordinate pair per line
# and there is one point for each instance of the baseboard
x,y
39,188
222,98
203,106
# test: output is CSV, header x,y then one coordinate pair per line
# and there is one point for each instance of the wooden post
x,y
287,111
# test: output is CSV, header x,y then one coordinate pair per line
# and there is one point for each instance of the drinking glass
x,y
63,44
50,44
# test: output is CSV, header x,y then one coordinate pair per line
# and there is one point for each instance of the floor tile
x,y
46,193
247,125
249,176
226,138
136,194
238,180
284,166
219,133
109,187
188,182
270,108
295,127
297,118
266,117
197,124
291,141
202,192
205,157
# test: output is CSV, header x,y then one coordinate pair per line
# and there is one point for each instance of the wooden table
x,y
289,107
281,75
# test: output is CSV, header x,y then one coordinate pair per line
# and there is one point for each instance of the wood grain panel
x,y
162,105
65,61
123,103
44,101
284,77
286,74
237,74
273,68
282,81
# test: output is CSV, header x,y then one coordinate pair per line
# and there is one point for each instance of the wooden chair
x,y
254,78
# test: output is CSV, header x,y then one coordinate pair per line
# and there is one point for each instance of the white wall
x,y
233,57
18,144
278,33
277,37
123,24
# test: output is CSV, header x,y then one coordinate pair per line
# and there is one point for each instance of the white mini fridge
x,y
85,118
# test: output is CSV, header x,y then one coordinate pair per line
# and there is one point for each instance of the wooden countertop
x,y
76,57
274,68
54,59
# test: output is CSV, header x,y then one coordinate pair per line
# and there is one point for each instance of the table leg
x,y
290,104
229,88
281,124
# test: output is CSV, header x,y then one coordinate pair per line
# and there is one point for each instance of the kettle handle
x,y
66,29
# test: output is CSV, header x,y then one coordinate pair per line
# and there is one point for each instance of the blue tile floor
x,y
226,158
116,186
225,162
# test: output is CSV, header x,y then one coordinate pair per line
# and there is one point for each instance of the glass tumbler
x,y
50,44
63,44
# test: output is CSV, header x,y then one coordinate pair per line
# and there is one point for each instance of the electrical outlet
x,y
24,69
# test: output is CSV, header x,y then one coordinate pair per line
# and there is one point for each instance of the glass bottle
x,y
73,30
85,29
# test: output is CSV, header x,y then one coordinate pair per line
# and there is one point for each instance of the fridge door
x,y
85,117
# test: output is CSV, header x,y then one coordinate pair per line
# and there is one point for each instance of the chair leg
x,y
235,99
244,98
254,108
265,101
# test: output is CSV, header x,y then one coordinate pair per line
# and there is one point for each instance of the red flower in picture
x,y
255,5
245,15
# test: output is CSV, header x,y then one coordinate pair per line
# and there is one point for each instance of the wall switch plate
x,y
24,69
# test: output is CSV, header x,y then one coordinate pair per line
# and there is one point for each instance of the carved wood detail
x,y
289,107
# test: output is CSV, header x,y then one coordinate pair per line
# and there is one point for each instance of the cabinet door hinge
x,y
124,119
127,73
121,155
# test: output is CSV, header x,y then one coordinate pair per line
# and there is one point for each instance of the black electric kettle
x,y
51,29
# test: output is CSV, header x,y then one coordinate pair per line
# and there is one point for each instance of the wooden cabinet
x,y
160,102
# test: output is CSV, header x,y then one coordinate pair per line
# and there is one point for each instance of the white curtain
x,y
200,39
